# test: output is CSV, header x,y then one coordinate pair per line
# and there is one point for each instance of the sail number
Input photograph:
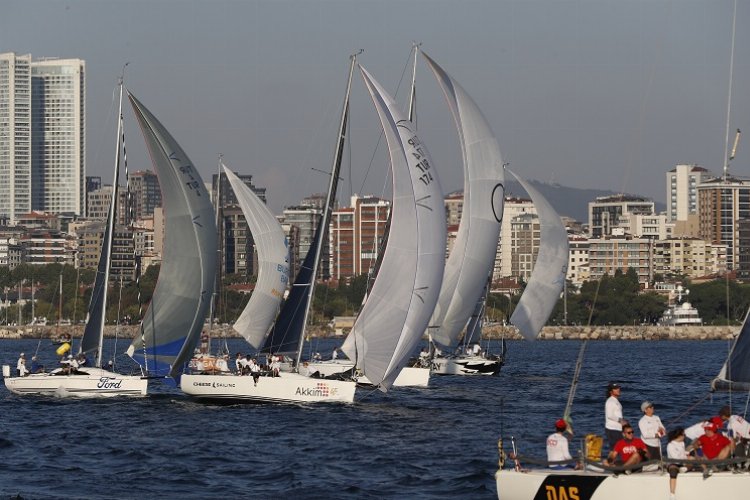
x,y
422,164
194,184
562,492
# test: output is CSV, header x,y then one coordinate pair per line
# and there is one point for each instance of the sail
x,y
396,312
172,324
273,264
548,277
473,255
736,371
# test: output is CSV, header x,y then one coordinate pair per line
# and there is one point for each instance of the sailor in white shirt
x,y
651,429
557,446
21,370
738,427
614,420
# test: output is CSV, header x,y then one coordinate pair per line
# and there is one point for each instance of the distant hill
x,y
569,201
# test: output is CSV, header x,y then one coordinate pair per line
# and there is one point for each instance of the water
x,y
439,442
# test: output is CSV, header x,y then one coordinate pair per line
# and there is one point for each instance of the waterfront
x,y
437,442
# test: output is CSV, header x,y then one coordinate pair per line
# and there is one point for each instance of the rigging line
x,y
690,409
729,93
382,133
370,393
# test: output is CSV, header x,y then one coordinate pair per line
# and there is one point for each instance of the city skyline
x,y
589,95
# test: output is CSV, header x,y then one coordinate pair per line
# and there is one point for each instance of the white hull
x,y
288,388
408,377
466,365
556,485
92,383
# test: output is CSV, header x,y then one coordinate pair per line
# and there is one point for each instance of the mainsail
x,y
473,254
397,310
93,332
548,277
273,264
172,324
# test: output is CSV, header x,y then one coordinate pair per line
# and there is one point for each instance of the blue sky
x,y
594,94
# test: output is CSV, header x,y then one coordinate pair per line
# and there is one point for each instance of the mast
x,y
217,281
59,306
328,208
108,234
413,91
729,99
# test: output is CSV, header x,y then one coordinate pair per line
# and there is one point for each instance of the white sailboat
x,y
93,381
473,254
392,320
287,332
735,374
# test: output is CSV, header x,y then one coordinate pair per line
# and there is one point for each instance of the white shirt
x,y
477,349
22,371
649,427
613,414
557,448
20,363
739,427
676,450
335,354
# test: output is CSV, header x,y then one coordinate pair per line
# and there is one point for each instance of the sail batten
x,y
398,307
273,264
473,254
548,277
173,322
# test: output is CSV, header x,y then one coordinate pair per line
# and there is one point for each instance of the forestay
x,y
399,306
273,264
473,255
172,324
548,277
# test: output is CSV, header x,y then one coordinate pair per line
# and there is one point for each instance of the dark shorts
x,y
613,437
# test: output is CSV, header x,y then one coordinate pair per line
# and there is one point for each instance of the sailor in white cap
x,y
651,429
21,369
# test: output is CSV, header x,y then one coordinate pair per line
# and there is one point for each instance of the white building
x,y
58,135
15,135
682,195
503,258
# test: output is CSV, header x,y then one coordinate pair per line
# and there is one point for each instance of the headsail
x,y
473,254
93,332
735,373
273,264
396,313
548,277
172,324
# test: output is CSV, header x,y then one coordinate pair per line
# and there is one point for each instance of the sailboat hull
x,y
408,377
288,388
545,484
466,365
92,383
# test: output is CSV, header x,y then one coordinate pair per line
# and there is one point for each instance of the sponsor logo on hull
x,y
321,390
568,487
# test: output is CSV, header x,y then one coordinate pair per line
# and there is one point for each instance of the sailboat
x,y
735,374
392,320
91,381
288,330
473,255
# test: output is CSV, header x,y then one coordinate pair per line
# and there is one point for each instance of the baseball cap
x,y
717,421
646,404
612,386
561,424
710,427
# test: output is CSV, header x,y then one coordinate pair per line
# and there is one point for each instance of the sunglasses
x,y
627,432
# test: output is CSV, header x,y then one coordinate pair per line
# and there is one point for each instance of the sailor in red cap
x,y
557,446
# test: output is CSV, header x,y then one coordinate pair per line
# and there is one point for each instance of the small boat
x,y
681,313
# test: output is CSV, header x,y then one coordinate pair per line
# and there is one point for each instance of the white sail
x,y
473,254
273,264
548,277
399,306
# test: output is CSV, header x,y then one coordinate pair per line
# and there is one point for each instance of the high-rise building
x,y
682,193
612,253
503,258
721,203
604,213
525,231
145,194
15,135
58,135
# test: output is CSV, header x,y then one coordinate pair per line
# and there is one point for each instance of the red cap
x,y
717,421
561,424
709,427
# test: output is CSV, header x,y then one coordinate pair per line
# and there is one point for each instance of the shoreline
x,y
489,332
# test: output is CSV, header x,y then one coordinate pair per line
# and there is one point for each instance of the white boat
x,y
681,313
89,381
398,308
472,257
343,369
557,485
287,332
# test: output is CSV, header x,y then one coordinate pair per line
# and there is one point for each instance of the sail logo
x,y
222,384
108,383
321,389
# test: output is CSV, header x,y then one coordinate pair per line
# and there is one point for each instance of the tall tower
x,y
58,171
682,193
15,135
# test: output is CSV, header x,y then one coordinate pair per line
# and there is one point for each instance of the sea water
x,y
436,442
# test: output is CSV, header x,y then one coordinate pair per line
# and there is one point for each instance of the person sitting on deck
x,y
676,451
557,447
631,449
739,430
35,366
254,371
476,349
